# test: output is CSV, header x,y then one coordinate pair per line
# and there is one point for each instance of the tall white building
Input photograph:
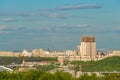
x,y
85,52
88,47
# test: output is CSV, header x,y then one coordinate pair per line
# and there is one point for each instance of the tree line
x,y
58,75
18,60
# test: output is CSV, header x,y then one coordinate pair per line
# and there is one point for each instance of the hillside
x,y
107,64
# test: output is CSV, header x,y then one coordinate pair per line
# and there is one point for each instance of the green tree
x,y
63,76
113,76
45,67
32,75
88,77
47,76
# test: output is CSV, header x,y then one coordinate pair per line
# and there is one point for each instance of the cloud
x,y
14,28
8,20
71,28
2,27
64,28
76,7
22,14
55,15
74,26
7,29
61,16
29,16
81,6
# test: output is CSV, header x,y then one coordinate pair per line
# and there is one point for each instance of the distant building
x,y
22,69
26,53
9,54
85,52
37,52
56,53
70,53
116,53
88,47
32,64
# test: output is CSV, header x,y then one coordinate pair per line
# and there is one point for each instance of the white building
x,y
26,53
85,52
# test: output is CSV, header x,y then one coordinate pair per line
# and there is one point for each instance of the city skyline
x,y
58,25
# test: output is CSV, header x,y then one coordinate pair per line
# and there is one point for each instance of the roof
x,y
3,68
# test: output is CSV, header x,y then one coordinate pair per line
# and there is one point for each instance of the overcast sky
x,y
58,24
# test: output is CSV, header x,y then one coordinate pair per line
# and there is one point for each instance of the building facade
x,y
88,47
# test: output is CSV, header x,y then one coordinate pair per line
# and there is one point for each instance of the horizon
x,y
58,25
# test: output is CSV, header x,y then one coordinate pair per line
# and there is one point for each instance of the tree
x,y
47,76
113,76
32,75
88,77
63,76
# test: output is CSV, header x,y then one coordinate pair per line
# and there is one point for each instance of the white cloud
x,y
75,7
60,16
65,27
8,20
2,27
10,28
80,6
53,15
74,26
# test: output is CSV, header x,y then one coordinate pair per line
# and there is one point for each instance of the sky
x,y
58,24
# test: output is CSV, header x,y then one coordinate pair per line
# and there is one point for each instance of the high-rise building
x,y
88,47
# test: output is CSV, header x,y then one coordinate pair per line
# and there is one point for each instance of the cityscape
x,y
59,40
86,51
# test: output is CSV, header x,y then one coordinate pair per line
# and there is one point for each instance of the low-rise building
x,y
9,54
116,53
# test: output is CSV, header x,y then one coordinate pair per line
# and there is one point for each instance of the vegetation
x,y
18,60
108,64
59,75
45,67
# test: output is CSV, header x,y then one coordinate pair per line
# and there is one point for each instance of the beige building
x,y
9,54
37,52
70,53
115,53
56,54
85,52
88,47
